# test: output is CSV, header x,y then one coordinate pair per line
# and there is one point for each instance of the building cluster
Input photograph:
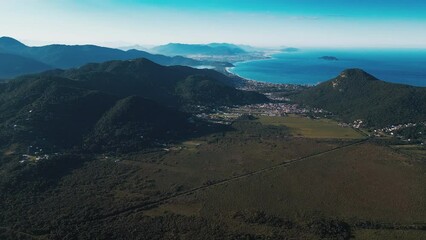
x,y
264,86
228,58
35,154
394,129
33,158
220,116
355,124
273,109
358,123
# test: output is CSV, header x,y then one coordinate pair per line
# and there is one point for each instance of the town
x,y
226,115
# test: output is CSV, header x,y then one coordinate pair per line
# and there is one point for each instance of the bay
x,y
406,66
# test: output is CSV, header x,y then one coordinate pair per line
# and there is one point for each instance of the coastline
x,y
267,56
229,73
248,81
248,84
308,70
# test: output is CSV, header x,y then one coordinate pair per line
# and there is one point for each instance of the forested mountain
x,y
150,80
355,94
98,104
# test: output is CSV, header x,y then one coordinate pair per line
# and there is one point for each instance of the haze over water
x,y
305,67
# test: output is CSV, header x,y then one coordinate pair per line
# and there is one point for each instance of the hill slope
x,y
355,94
13,65
134,122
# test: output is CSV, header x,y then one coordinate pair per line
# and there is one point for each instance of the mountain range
x,y
17,58
212,49
117,103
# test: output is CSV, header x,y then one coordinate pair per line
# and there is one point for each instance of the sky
x,y
264,23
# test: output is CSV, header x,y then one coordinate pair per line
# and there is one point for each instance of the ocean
x,y
305,67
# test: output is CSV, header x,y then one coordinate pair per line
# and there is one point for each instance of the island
x,y
329,58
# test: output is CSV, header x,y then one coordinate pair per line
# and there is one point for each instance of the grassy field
x,y
364,182
217,157
360,183
312,128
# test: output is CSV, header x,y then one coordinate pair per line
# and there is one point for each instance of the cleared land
x,y
312,128
359,182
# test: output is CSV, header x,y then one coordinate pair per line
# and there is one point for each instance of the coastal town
x,y
227,115
265,87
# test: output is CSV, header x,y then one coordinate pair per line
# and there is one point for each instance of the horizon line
x,y
125,44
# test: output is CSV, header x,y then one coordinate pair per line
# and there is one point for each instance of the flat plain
x,y
312,128
257,179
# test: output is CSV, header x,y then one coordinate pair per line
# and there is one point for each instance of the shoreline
x,y
406,76
248,81
268,56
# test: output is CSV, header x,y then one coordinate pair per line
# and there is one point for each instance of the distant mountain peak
x,y
7,42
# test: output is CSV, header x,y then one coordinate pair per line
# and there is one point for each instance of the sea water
x,y
406,66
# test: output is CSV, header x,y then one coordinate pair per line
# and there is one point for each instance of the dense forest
x,y
355,94
136,100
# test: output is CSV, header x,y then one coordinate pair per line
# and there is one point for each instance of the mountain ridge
x,y
69,56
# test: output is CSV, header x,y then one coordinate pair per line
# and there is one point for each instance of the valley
x,y
212,120
108,150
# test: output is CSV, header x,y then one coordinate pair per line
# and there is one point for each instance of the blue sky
x,y
300,23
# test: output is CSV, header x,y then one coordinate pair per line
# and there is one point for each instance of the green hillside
x,y
167,85
355,94
134,123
